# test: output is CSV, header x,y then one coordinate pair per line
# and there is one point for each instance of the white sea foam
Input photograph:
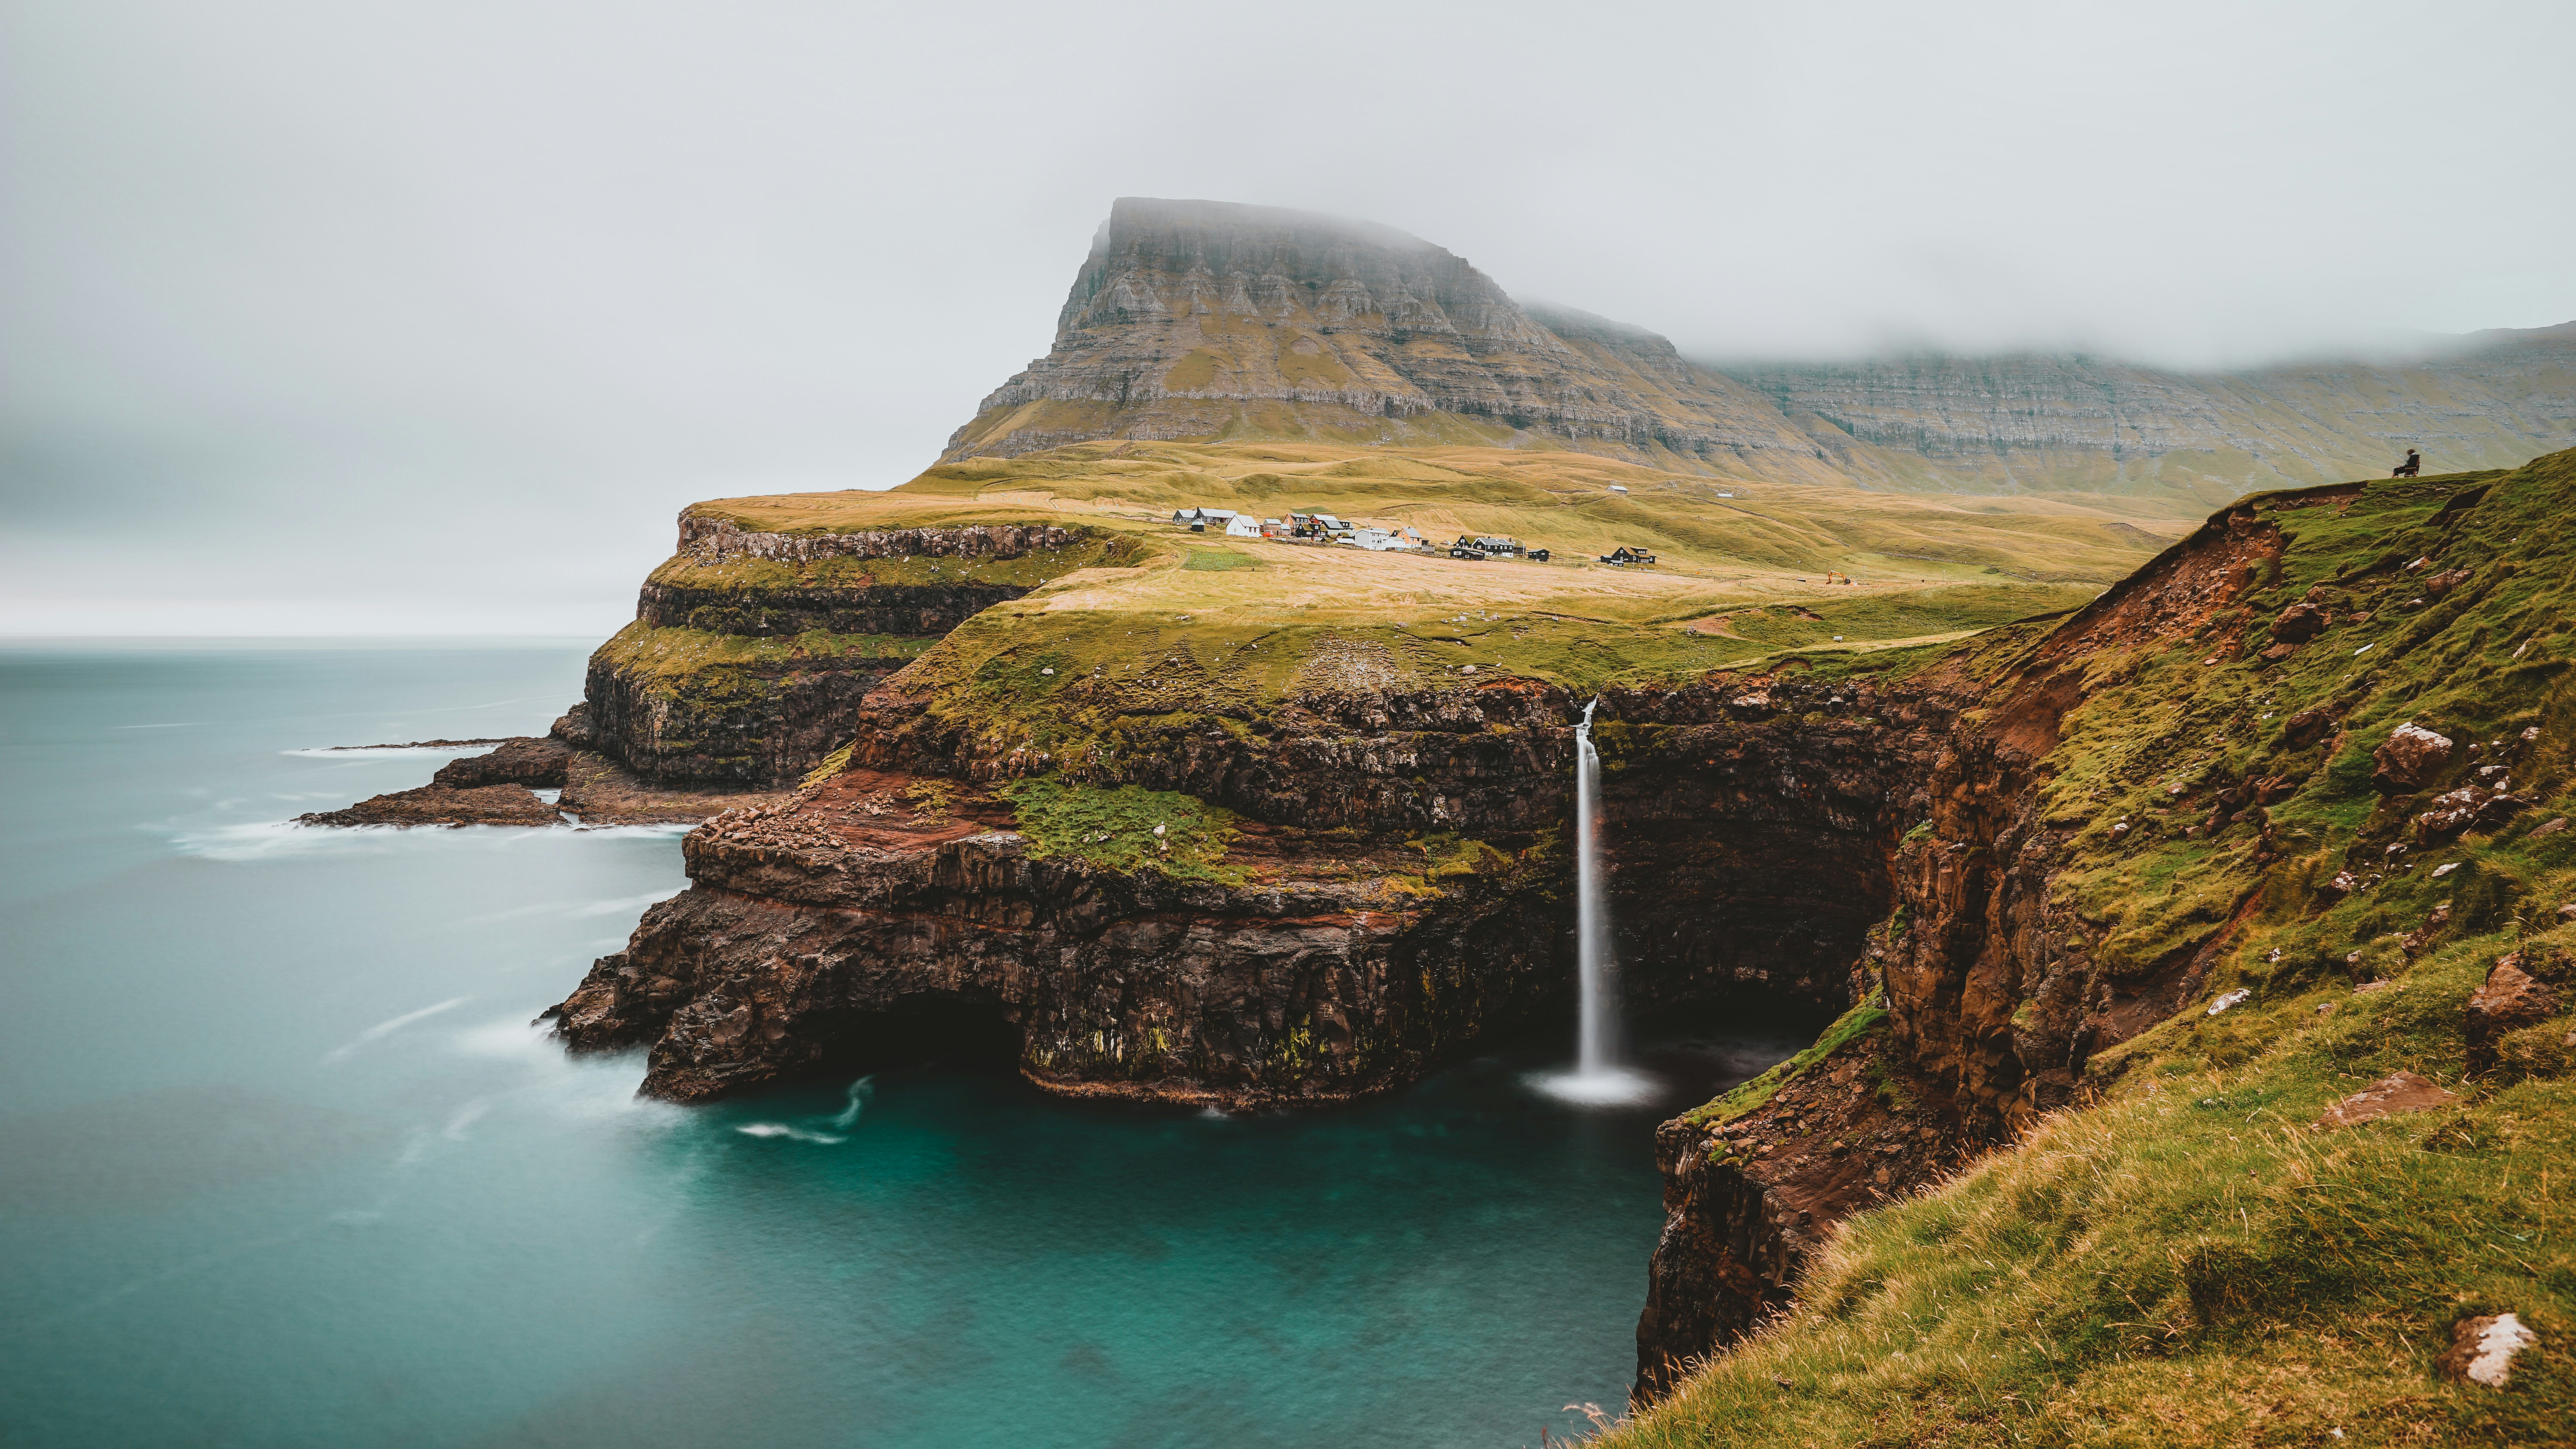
x,y
624,905
1601,1087
860,1092
278,839
381,752
589,1088
384,1029
793,1134
466,1116
575,910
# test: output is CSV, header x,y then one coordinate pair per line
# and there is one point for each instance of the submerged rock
x,y
444,805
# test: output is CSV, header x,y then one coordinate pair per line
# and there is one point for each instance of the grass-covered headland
x,y
2190,1254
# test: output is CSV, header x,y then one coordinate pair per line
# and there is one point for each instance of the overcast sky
x,y
327,316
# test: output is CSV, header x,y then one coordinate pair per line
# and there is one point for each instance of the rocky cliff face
x,y
1335,957
1200,320
753,649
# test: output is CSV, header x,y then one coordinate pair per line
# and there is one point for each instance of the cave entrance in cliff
x,y
943,1028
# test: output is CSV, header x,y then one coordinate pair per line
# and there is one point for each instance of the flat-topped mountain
x,y
1203,320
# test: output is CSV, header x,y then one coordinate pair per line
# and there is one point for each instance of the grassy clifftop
x,y
1141,620
2190,1258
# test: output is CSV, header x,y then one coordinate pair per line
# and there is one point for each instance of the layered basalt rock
x,y
854,927
1202,319
752,723
1339,964
752,649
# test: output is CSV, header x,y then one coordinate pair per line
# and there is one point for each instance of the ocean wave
x,y
280,839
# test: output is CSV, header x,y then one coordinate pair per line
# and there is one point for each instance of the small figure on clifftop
x,y
2414,464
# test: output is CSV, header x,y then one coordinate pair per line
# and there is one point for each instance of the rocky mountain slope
x,y
1204,321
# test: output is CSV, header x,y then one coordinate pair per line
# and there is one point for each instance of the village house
x,y
1627,556
1200,520
1243,525
1318,527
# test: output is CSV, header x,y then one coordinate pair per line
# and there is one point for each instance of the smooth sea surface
x,y
283,1162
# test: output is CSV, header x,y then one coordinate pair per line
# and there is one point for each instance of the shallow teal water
x,y
283,1163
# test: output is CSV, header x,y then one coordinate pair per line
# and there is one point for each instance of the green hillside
x,y
2190,1258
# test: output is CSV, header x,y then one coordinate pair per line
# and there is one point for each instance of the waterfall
x,y
1597,1075
1596,1027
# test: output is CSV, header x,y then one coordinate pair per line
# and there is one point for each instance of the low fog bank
x,y
420,318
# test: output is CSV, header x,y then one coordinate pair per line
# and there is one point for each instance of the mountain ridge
x,y
1203,321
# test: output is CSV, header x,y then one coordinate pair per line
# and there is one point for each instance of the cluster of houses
x,y
1325,528
1300,528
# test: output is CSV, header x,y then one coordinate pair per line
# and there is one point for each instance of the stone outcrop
x,y
2410,758
450,805
1201,319
2396,1092
538,763
498,788
2509,999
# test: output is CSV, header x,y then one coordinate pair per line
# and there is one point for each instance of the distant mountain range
x,y
1208,321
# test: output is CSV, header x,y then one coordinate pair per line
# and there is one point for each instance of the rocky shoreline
x,y
500,788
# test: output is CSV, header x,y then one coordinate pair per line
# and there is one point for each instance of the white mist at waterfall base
x,y
1597,1078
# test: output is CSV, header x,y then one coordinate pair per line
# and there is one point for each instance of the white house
x,y
1243,525
1378,540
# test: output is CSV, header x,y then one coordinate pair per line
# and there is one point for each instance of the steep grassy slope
x,y
2186,1256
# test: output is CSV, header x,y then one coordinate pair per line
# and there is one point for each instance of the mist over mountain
x,y
1205,321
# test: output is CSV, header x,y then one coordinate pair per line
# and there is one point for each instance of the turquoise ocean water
x,y
283,1163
